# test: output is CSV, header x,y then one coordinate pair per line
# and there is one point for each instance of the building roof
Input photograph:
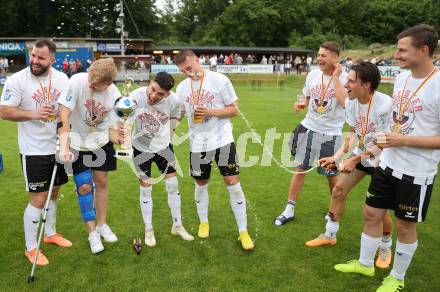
x,y
76,39
272,50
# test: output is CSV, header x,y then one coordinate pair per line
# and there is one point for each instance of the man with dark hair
x,y
30,98
157,106
319,134
331,46
210,101
408,164
41,43
368,112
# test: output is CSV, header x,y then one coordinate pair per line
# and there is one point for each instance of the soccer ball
x,y
124,106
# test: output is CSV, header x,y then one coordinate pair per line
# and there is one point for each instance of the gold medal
x,y
196,98
364,130
361,142
321,108
403,106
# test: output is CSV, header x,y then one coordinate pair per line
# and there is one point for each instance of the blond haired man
x,y
87,111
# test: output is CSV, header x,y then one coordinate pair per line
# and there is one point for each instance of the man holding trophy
x,y
156,107
87,107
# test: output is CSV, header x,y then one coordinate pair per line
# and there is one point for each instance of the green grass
x,y
280,261
386,51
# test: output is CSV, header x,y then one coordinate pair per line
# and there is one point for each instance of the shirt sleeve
x,y
176,108
385,117
228,93
12,93
69,95
306,88
113,118
343,78
350,113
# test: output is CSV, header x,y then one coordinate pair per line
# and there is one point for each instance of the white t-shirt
x,y
378,120
23,90
85,103
331,120
421,118
217,92
151,131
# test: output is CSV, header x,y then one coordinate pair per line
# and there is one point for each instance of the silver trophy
x,y
124,106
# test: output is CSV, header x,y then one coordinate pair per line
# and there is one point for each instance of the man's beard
x,y
41,71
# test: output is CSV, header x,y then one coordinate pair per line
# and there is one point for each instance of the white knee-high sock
x,y
146,202
51,218
238,205
369,246
172,187
289,211
31,218
402,258
331,228
386,242
202,202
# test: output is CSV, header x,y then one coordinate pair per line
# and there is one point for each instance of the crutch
x,y
43,220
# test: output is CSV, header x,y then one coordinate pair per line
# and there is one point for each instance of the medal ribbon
x,y
193,96
401,111
48,97
364,131
324,89
92,103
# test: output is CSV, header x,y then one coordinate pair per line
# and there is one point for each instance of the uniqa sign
x,y
11,47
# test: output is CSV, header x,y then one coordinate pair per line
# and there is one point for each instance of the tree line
x,y
264,23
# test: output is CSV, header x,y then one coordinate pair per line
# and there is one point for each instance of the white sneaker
x,y
106,233
150,240
95,242
181,231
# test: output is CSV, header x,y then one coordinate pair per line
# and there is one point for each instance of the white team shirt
x,y
421,118
378,120
84,103
151,132
329,122
23,90
217,92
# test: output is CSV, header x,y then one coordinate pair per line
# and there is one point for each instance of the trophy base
x,y
123,154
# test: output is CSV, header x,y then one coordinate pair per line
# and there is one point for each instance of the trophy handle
x,y
127,85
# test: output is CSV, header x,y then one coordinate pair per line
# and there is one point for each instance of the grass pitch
x,y
280,261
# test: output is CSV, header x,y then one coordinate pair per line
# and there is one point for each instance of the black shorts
x,y
164,159
367,170
408,200
308,146
37,171
225,157
102,159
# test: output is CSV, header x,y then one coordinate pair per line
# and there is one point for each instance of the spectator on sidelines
x,y
6,64
213,62
308,63
297,63
238,59
65,66
221,59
